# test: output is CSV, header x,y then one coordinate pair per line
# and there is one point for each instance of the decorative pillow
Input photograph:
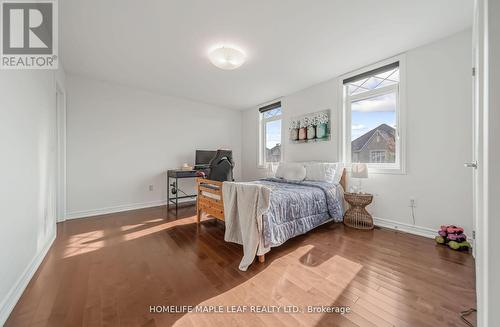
x,y
294,172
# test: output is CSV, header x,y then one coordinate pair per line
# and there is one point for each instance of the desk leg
x,y
168,192
176,195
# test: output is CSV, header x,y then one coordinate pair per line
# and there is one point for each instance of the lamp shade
x,y
359,170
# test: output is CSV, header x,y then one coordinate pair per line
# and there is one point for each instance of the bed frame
x,y
207,204
214,206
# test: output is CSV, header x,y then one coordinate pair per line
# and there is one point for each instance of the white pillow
x,y
324,171
339,169
294,172
280,171
320,171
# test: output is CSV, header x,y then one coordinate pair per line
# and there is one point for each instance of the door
x,y
476,127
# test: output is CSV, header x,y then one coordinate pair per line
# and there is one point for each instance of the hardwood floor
x,y
109,270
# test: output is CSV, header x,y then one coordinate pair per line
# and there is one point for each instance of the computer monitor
x,y
203,157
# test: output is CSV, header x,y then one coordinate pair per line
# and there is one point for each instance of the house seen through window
x,y
270,133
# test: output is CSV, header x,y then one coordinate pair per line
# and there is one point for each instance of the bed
x,y
293,208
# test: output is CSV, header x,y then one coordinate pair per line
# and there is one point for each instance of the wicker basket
x,y
357,216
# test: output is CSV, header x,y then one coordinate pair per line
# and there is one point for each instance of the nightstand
x,y
357,216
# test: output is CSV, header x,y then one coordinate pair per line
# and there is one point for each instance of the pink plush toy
x,y
454,230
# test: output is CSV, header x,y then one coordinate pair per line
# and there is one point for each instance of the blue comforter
x,y
297,207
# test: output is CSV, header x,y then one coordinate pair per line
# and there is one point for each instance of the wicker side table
x,y
357,216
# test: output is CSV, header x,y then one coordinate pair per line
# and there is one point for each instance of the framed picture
x,y
312,127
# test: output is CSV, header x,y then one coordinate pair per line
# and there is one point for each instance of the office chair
x,y
221,166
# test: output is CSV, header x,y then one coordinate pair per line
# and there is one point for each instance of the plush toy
x,y
453,236
440,239
453,229
459,246
457,237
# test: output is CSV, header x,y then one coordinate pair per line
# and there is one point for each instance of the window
x,y
372,117
270,134
377,156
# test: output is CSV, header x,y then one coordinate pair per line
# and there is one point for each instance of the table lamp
x,y
359,171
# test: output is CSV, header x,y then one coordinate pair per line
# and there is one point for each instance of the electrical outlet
x,y
151,188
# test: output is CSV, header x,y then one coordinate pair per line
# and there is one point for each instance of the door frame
x,y
61,152
481,157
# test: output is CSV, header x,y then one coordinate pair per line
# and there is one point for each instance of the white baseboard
x,y
407,228
10,300
108,210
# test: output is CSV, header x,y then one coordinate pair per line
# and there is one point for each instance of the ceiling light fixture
x,y
227,58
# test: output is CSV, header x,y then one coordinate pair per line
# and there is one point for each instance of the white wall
x,y
27,168
316,98
121,140
438,140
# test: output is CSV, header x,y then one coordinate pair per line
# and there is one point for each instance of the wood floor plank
x,y
109,270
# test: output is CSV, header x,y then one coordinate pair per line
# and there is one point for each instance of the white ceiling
x,y
162,45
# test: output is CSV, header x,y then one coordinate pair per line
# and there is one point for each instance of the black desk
x,y
179,174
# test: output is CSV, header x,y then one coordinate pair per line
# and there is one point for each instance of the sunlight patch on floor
x,y
95,240
125,228
157,228
286,282
77,244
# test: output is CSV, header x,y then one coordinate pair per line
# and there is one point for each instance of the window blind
x,y
270,107
371,72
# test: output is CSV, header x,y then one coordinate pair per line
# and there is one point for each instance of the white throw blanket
x,y
244,204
